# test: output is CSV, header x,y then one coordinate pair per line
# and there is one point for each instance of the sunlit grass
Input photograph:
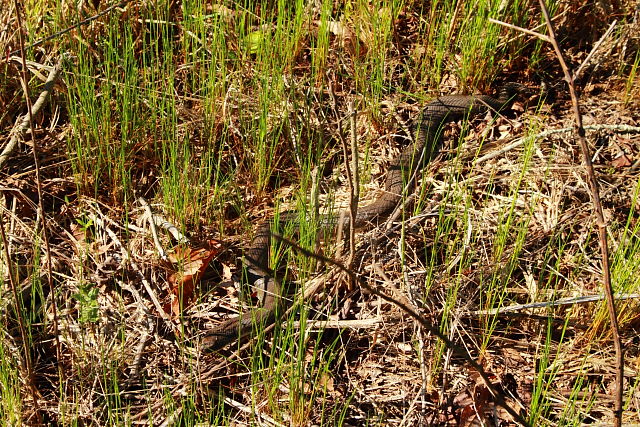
x,y
11,399
209,110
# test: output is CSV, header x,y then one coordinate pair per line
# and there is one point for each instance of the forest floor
x,y
174,129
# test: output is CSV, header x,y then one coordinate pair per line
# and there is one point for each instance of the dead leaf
x,y
346,36
191,264
622,161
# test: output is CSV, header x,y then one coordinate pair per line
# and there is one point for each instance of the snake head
x,y
511,90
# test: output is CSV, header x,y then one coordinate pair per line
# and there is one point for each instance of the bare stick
x,y
541,135
427,325
339,324
602,226
30,378
522,30
36,161
24,123
354,184
547,304
41,212
74,26
353,177
594,50
154,230
597,208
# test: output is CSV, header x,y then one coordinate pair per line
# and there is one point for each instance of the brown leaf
x,y
622,161
192,262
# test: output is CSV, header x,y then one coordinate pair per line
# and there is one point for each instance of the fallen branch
x,y
23,124
73,27
556,303
430,326
541,135
339,324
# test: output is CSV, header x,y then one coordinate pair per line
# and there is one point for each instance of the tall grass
x,y
209,110
11,398
632,80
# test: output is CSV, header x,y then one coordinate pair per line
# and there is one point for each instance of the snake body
x,y
426,143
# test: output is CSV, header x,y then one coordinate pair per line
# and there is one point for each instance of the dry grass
x,y
515,228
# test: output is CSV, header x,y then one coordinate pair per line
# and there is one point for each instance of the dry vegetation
x,y
220,116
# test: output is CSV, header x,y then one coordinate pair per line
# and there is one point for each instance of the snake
x,y
426,143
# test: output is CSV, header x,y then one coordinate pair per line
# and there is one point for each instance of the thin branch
x,y
354,184
154,231
351,169
73,27
602,227
541,135
523,30
23,124
597,206
547,304
594,50
310,325
427,325
40,213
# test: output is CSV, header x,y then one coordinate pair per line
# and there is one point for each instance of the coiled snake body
x,y
426,143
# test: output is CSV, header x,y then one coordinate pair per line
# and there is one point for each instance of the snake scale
x,y
426,143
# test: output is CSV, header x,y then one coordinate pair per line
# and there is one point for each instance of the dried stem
x,y
427,325
41,212
597,207
522,30
23,124
354,184
351,169
602,227
19,314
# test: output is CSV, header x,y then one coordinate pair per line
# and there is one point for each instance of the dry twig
x,y
541,135
429,326
19,314
154,231
547,304
354,183
25,122
40,211
72,27
597,206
